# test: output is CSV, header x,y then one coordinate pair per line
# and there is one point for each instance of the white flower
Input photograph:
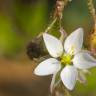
x,y
72,58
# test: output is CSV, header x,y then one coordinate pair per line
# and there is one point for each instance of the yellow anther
x,y
66,59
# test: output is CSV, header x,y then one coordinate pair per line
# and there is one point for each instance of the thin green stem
x,y
51,25
48,28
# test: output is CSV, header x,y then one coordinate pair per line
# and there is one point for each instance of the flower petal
x,y
74,41
47,67
53,45
83,60
69,76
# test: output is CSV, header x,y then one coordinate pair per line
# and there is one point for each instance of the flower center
x,y
66,59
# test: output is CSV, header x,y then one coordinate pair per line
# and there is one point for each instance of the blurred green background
x,y
20,21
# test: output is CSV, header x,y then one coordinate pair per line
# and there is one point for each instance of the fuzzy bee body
x,y
35,49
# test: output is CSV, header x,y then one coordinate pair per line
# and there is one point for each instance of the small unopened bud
x,y
63,34
59,8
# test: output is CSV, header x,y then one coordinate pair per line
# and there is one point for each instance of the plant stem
x,y
50,26
92,38
92,10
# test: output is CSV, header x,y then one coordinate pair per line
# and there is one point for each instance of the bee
x,y
35,49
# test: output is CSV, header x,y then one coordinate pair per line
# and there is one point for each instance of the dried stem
x,y
58,14
60,5
92,37
92,10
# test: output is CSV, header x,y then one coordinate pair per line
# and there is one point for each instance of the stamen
x,y
72,50
66,59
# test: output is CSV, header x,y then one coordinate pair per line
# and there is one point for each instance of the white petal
x,y
47,67
69,76
84,60
53,45
74,41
